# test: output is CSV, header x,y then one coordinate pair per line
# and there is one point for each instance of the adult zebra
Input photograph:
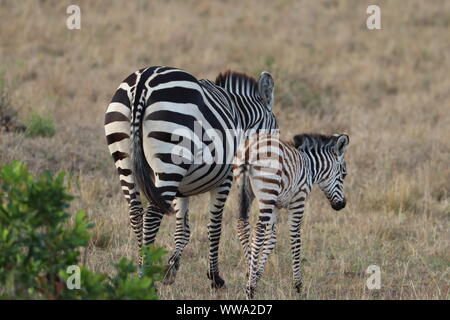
x,y
281,175
158,125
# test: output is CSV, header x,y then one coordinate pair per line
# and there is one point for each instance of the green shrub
x,y
126,284
38,243
39,126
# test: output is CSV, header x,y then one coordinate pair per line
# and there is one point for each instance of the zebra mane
x,y
231,79
314,141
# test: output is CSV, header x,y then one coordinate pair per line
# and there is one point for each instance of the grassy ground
x,y
388,89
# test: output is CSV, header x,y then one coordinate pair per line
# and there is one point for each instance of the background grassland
x,y
388,89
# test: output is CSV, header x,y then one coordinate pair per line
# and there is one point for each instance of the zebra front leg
x,y
218,198
296,218
182,234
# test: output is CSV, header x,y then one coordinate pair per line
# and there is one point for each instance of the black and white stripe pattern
x,y
281,175
172,136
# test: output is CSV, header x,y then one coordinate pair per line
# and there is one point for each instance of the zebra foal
x,y
281,175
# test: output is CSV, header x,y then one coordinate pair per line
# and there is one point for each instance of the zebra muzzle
x,y
338,205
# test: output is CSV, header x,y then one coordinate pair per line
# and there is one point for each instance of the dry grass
x,y
388,89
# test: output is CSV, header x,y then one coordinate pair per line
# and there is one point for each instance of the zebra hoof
x,y
217,281
250,292
258,275
171,272
218,284
299,287
168,280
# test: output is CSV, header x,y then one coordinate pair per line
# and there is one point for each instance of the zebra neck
x,y
316,163
249,111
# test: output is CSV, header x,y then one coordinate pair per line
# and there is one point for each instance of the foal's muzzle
x,y
338,205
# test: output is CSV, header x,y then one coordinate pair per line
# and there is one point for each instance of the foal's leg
x,y
269,245
296,209
245,199
266,185
256,245
182,234
266,211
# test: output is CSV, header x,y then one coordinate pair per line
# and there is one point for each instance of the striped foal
x,y
281,175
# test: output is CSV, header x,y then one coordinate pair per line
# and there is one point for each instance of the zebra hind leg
x,y
245,199
244,230
150,227
136,211
182,234
218,199
269,245
260,239
256,245
136,214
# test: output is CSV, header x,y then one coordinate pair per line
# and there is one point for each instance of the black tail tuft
x,y
142,174
245,192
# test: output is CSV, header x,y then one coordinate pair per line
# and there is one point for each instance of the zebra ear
x,y
341,144
298,140
266,88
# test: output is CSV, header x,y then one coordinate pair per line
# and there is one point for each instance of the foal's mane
x,y
313,140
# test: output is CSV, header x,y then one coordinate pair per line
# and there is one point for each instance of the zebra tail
x,y
141,168
244,192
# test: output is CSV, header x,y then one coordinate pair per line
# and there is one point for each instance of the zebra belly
x,y
203,178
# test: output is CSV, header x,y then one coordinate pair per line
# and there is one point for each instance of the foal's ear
x,y
341,144
299,139
266,88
